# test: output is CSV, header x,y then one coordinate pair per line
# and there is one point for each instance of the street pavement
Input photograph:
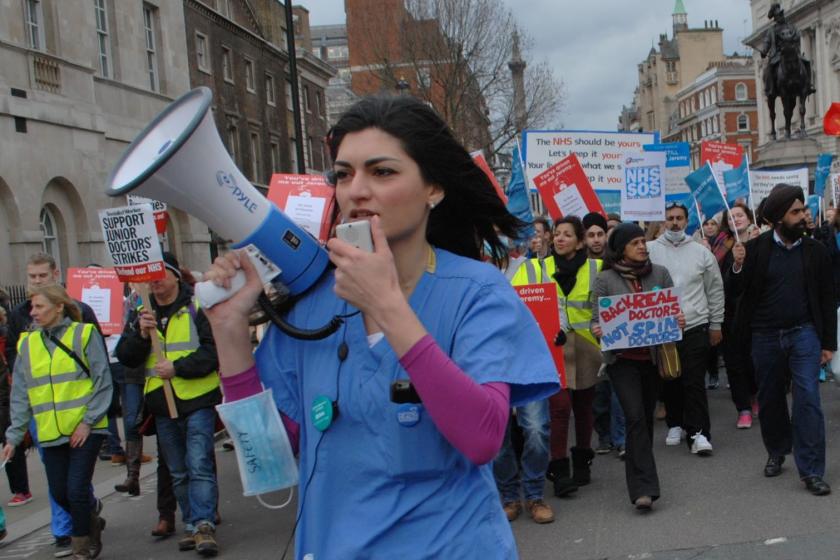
x,y
714,508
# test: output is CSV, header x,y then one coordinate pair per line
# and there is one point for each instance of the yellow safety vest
x,y
576,306
58,387
180,339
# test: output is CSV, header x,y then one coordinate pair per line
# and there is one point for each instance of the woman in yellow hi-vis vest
x,y
574,275
62,380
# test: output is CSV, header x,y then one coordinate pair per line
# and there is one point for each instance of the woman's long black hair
x,y
470,209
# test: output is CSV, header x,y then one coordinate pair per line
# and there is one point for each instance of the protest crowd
x,y
443,385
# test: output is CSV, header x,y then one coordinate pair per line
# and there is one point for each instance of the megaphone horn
x,y
179,159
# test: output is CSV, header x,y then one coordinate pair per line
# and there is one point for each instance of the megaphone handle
x,y
209,294
143,290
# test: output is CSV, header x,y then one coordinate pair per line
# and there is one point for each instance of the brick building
x,y
719,105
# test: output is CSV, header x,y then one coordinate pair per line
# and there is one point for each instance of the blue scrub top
x,y
385,489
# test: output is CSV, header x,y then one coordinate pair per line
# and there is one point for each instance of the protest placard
x,y
722,157
541,300
132,242
677,166
762,182
159,208
834,185
481,161
601,153
566,191
102,290
737,183
610,200
636,320
643,197
307,199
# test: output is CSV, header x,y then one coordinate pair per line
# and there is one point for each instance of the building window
x,y
250,81
293,155
306,104
255,157
232,142
741,92
338,53
704,129
35,24
223,7
311,147
269,90
289,103
227,65
149,14
50,242
275,156
202,56
743,122
319,102
714,95
101,14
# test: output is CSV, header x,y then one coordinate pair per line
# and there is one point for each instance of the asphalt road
x,y
720,507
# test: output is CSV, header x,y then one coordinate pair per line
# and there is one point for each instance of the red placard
x,y
541,300
102,290
481,161
307,199
566,191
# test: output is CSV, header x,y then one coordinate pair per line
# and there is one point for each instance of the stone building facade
x,y
671,67
78,80
719,105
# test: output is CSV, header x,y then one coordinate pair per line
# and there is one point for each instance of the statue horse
x,y
792,82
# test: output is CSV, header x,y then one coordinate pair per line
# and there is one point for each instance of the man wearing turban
x,y
787,314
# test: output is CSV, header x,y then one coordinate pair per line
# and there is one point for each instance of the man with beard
x,y
696,273
595,234
787,312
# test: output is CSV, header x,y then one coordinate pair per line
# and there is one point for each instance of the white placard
x,y
762,182
643,197
306,211
99,300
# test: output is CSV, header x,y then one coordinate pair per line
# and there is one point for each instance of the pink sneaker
x,y
20,499
744,420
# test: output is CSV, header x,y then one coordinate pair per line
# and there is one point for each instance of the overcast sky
x,y
594,46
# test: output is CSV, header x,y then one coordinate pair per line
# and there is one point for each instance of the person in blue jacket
x,y
386,479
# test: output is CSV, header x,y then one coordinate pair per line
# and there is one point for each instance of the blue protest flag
x,y
706,191
518,203
813,203
738,182
821,173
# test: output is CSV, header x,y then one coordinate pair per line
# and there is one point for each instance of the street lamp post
x,y
402,86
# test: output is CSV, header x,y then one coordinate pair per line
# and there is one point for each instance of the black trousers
x,y
637,384
685,397
739,369
601,411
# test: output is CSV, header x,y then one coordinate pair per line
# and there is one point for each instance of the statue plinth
x,y
796,152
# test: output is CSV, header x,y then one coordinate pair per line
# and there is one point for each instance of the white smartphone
x,y
356,234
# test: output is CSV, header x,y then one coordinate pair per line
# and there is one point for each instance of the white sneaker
x,y
674,436
700,445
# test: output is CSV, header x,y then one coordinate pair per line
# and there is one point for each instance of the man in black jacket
x,y
787,311
189,363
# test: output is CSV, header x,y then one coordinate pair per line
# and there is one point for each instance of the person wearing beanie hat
x,y
787,317
190,363
696,273
595,234
632,372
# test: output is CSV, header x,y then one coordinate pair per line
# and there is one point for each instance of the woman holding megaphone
x,y
400,412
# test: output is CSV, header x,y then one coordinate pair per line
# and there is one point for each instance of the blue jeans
x,y
69,475
534,420
791,355
132,405
61,524
187,447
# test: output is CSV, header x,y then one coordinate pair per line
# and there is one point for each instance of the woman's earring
x,y
432,205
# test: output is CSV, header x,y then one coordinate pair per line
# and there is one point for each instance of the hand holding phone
x,y
356,234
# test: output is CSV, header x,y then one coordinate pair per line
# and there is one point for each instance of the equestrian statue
x,y
787,74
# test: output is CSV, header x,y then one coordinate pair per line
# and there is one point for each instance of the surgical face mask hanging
x,y
674,236
263,452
